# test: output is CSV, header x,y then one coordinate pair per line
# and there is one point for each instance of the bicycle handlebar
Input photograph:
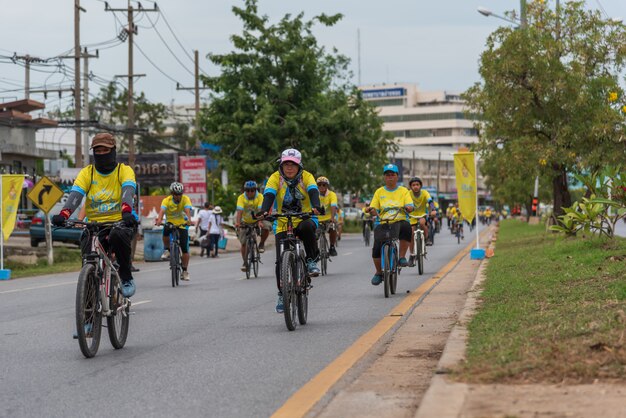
x,y
302,215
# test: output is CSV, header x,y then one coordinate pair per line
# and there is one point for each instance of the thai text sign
x,y
193,177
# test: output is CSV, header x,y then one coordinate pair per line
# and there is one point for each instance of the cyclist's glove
x,y
127,216
321,210
59,220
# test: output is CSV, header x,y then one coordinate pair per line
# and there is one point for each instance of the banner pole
x,y
476,212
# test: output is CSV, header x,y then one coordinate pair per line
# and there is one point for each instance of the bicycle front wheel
x,y
88,312
256,257
118,321
288,288
393,278
419,246
249,258
386,260
323,248
302,293
367,234
175,264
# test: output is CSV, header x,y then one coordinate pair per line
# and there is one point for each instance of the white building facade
x,y
429,127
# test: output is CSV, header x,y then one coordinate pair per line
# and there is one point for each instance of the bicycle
x,y
253,256
367,231
98,294
294,277
176,254
322,245
419,246
388,231
457,230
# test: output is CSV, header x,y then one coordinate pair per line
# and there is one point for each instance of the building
x,y
429,127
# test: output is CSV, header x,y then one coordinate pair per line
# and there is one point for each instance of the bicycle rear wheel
x,y
118,321
88,312
366,234
175,264
386,267
287,281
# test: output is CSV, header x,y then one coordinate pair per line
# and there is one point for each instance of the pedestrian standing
x,y
215,230
202,224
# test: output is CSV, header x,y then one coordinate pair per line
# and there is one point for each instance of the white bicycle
x,y
418,253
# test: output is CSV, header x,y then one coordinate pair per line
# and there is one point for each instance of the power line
x,y
170,49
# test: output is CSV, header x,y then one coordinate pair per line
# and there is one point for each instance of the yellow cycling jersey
x,y
175,212
247,206
385,199
421,203
104,191
328,202
278,188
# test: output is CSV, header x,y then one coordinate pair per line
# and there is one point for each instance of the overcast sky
x,y
435,44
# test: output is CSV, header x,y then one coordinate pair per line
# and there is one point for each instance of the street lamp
x,y
486,12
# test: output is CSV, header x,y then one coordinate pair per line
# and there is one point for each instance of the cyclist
x,y
293,189
422,201
328,199
488,215
248,203
366,217
389,196
177,209
458,220
109,188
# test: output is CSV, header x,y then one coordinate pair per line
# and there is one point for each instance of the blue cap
x,y
391,167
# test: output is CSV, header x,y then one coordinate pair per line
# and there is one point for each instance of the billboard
x,y
155,169
193,177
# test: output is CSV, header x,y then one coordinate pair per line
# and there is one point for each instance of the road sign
x,y
45,194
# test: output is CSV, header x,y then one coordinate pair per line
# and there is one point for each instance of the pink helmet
x,y
291,154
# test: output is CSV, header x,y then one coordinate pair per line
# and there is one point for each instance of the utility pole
x,y
358,41
131,30
196,89
86,57
522,8
27,60
78,152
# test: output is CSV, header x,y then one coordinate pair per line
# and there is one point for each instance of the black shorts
x,y
404,235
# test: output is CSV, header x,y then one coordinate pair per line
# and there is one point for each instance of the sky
x,y
434,44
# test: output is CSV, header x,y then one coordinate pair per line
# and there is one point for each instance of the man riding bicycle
x,y
293,189
366,217
248,203
391,196
422,201
177,209
109,189
328,199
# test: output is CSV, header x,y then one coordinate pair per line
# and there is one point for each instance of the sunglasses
x,y
250,190
322,185
177,194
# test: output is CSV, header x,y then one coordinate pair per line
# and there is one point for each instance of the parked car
x,y
37,230
352,213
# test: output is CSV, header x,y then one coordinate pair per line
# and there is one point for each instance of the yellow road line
x,y
301,402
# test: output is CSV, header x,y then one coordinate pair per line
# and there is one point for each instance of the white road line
x,y
350,253
38,287
141,302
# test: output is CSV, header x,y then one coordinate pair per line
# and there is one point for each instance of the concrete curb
x,y
446,399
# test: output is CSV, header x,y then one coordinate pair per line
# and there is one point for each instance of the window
x,y
386,102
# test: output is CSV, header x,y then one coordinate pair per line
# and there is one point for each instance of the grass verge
x,y
65,259
552,310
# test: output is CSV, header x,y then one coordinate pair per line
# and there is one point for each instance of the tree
x,y
549,94
280,89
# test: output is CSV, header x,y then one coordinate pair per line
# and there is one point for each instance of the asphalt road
x,y
211,347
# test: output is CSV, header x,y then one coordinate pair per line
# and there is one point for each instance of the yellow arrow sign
x,y
45,194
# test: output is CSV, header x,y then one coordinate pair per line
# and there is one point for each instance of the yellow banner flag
x,y
465,171
11,192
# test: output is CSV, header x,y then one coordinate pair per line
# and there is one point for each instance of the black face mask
x,y
105,163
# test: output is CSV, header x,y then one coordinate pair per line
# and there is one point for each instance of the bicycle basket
x,y
387,232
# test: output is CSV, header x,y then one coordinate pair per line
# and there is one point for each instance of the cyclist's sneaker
x,y
377,279
312,268
185,276
244,267
332,251
403,263
412,261
88,328
166,255
128,288
279,303
429,243
262,248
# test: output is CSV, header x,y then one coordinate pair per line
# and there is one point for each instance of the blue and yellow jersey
x,y
175,212
247,206
328,202
278,188
385,199
421,204
103,192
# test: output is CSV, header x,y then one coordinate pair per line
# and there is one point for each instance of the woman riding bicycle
x,y
293,189
391,196
109,189
177,210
